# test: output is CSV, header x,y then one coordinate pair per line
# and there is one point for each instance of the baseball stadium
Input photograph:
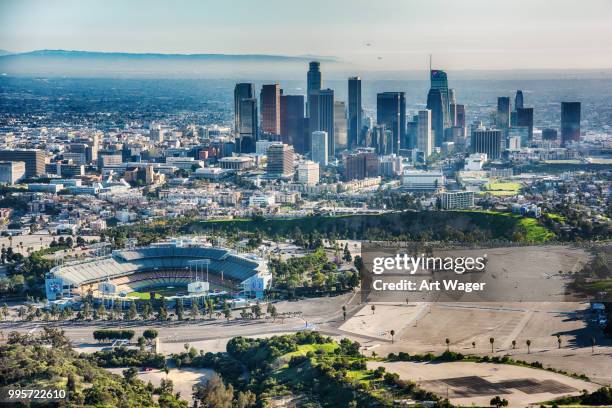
x,y
176,269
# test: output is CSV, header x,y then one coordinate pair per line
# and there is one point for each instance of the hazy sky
x,y
462,34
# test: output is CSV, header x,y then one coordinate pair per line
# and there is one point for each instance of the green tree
x,y
499,402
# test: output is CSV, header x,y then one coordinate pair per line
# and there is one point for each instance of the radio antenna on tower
x,y
429,62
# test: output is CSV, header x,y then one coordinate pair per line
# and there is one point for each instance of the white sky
x,y
462,34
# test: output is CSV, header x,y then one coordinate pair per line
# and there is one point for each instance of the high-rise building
x,y
518,100
308,173
435,104
524,117
570,122
248,128
313,81
241,91
424,138
319,151
439,80
460,115
270,109
360,165
488,141
280,160
34,160
549,134
292,122
355,111
391,112
503,113
340,131
321,116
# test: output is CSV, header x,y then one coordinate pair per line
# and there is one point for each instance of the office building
x,y
280,160
355,111
313,82
549,134
12,172
435,104
524,117
518,100
488,141
321,116
460,112
570,122
34,160
439,81
248,130
503,113
270,109
423,181
457,200
241,91
360,165
340,126
424,137
391,112
319,151
292,122
308,173
520,132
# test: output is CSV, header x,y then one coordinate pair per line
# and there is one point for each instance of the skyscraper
x,y
424,138
319,150
241,91
340,122
391,112
248,127
360,165
524,117
487,141
460,115
570,122
270,109
503,113
518,100
435,104
355,111
439,80
313,81
292,122
321,108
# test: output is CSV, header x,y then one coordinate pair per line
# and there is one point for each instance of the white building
x,y
319,149
421,180
260,200
457,200
475,161
424,135
11,172
308,173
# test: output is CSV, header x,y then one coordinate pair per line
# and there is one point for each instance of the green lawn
x,y
303,349
159,292
601,286
535,232
502,189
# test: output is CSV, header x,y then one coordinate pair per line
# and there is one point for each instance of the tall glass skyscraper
x,y
503,113
570,122
435,104
241,91
248,126
355,111
439,80
270,109
292,122
313,82
518,100
321,109
391,112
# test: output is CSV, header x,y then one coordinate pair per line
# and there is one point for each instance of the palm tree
x,y
447,344
559,340
492,341
528,346
373,307
392,333
344,312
